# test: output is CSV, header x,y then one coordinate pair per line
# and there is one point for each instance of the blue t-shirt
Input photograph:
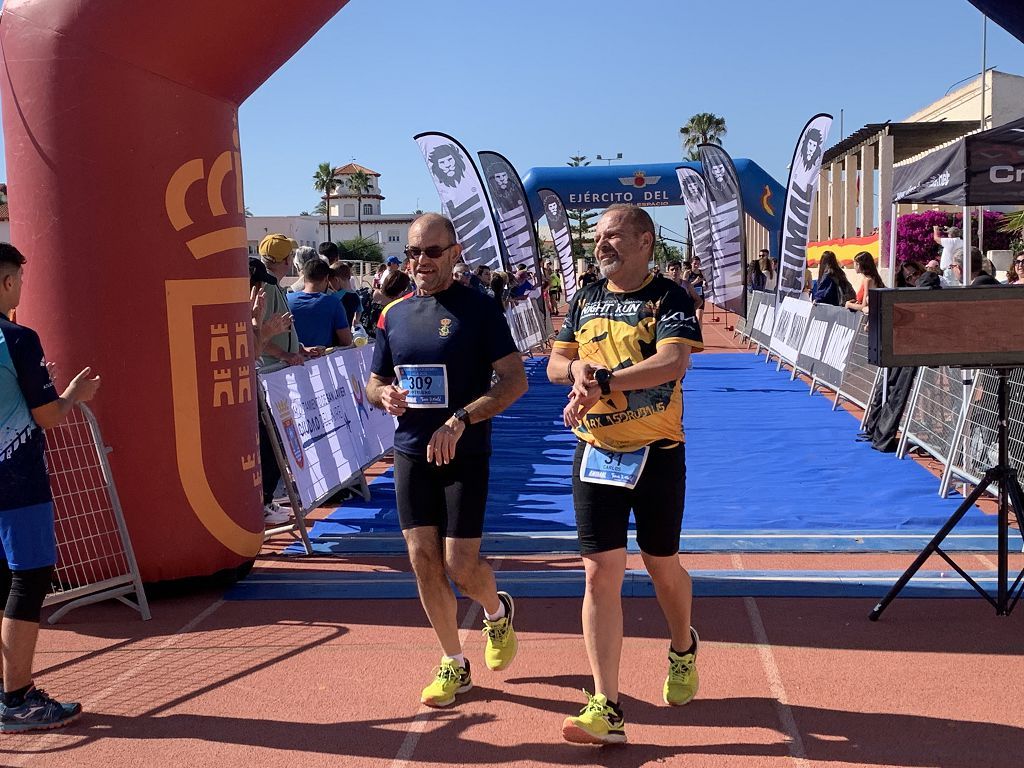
x,y
458,328
316,317
24,384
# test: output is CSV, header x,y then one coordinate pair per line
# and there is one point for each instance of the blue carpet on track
x,y
768,468
309,585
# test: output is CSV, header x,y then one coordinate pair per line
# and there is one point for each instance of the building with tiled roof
x,y
390,230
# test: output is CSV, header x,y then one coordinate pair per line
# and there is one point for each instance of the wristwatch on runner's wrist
x,y
462,415
604,380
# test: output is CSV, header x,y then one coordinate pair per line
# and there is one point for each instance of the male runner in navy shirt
x,y
442,343
28,404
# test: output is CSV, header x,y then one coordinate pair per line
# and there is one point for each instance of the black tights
x,y
23,592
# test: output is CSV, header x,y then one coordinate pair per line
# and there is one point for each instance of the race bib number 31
x,y
610,468
427,385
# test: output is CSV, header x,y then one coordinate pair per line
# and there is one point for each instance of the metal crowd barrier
x,y
859,376
526,326
95,561
933,413
974,445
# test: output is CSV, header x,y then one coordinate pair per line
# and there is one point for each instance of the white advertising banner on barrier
x,y
526,325
329,431
790,324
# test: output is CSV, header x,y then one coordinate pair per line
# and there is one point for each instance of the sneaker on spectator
x,y
274,514
37,712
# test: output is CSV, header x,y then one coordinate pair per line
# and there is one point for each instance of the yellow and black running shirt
x,y
617,330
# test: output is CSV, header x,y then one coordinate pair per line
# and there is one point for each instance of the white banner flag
x,y
328,429
796,222
727,228
465,202
558,223
698,220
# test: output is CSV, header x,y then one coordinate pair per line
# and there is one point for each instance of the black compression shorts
x,y
602,511
451,497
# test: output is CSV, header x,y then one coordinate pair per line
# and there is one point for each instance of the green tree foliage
x,y
360,249
702,128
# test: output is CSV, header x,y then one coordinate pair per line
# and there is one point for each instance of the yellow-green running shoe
x,y
682,682
502,644
450,679
598,723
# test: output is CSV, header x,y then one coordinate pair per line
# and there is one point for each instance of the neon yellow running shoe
x,y
682,682
502,644
598,723
450,679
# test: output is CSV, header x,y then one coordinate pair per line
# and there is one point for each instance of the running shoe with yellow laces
x,y
682,682
450,679
502,644
598,723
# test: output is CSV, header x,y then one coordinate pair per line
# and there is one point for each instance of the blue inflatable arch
x,y
653,184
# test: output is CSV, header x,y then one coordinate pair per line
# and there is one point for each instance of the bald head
x,y
432,221
433,252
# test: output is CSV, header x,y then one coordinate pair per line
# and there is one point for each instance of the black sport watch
x,y
604,380
462,415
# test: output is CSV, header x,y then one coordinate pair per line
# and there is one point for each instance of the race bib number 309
x,y
427,385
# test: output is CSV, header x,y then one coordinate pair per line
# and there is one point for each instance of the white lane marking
x,y
419,723
771,671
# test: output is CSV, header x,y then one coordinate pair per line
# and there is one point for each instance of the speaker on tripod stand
x,y
965,328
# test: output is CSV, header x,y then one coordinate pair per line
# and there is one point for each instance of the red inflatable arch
x,y
121,130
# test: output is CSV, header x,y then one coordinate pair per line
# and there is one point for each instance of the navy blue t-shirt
x,y
459,328
24,384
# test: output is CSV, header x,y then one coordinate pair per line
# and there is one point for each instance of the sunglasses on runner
x,y
431,252
1018,261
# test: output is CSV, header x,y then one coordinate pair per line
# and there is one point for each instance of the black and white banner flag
x,y
727,225
558,223
515,222
698,218
796,223
462,194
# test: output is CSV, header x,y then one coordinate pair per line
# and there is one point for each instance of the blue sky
x,y
539,81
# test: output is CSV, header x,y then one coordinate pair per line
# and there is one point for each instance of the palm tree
x,y
702,128
578,160
325,183
359,184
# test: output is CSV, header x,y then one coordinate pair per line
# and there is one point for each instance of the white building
x,y
305,230
348,215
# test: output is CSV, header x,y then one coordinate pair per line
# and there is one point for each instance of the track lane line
x,y
775,686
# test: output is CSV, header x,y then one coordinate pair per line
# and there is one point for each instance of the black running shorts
x,y
602,511
451,497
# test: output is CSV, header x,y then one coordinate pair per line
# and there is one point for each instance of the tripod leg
x,y
1016,498
1017,501
933,545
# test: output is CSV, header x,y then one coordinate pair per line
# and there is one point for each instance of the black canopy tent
x,y
1008,15
985,168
